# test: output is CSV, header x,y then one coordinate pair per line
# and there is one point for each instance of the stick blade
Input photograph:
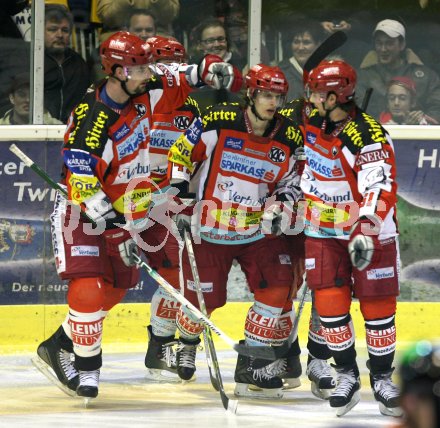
x,y
329,45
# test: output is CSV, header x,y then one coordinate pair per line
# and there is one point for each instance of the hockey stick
x,y
206,335
333,42
366,99
299,310
34,167
211,353
264,352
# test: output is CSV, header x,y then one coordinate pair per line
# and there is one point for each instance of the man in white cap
x,y
391,58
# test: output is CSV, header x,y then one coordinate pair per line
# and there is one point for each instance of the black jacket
x,y
64,84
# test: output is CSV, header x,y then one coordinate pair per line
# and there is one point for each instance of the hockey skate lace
x,y
262,374
276,368
187,356
65,359
345,383
319,369
169,355
89,378
386,389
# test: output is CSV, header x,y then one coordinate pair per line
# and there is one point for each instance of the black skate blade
x,y
270,353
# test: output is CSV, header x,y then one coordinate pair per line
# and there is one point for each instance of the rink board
x,y
27,263
22,328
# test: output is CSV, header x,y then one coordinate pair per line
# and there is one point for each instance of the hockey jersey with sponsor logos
x,y
350,172
109,149
238,171
166,128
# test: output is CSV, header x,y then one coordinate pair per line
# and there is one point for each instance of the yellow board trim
x,y
22,328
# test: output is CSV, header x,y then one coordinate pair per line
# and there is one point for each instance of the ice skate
x,y
186,358
347,392
88,385
254,380
386,393
288,369
321,377
57,364
160,359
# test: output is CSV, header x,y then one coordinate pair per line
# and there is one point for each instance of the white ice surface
x,y
127,399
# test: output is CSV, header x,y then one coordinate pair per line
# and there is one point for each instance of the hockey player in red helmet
x,y
349,183
243,154
126,58
166,49
331,77
107,170
166,127
266,90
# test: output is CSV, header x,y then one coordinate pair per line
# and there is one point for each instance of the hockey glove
x,y
271,220
364,246
185,218
214,72
120,243
99,207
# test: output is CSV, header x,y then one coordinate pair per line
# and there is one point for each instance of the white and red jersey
x,y
238,170
106,148
350,172
165,130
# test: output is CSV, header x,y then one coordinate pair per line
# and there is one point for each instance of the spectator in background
x,y
236,24
391,58
142,23
14,51
210,38
113,14
66,74
420,378
401,104
305,37
20,100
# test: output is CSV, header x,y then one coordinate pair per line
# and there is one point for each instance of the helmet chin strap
x,y
254,110
123,85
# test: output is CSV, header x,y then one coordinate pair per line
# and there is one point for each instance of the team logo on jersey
x,y
311,138
79,162
223,186
255,152
376,175
372,156
84,250
141,109
121,132
167,73
131,144
234,143
194,132
181,122
329,168
381,273
335,151
277,155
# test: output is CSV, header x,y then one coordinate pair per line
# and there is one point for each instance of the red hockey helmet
x,y
166,48
266,78
124,49
333,76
